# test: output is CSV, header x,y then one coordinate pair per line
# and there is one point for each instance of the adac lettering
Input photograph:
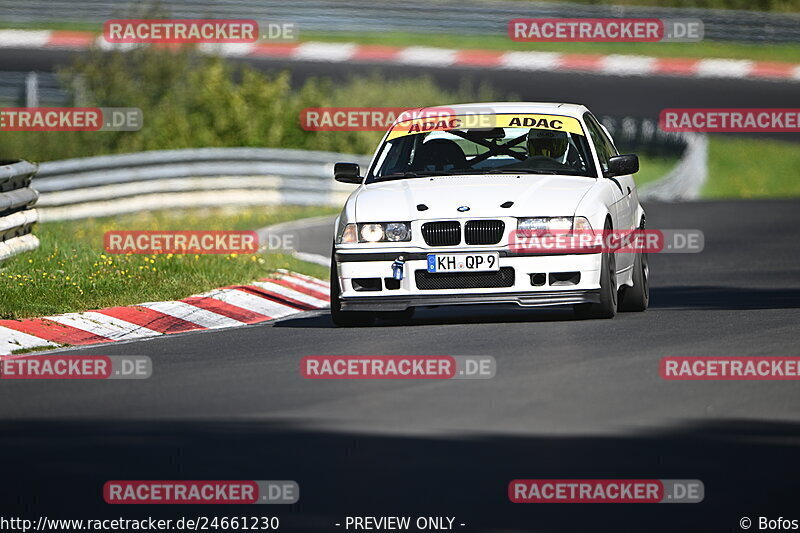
x,y
530,122
435,125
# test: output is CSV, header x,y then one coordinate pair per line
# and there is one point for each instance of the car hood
x,y
532,195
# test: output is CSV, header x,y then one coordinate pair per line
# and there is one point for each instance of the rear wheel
x,y
607,307
345,319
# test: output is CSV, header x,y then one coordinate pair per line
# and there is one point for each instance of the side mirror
x,y
622,165
347,172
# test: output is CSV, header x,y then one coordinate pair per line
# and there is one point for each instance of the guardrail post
x,y
32,90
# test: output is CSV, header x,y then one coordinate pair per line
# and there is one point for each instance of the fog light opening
x,y
538,279
366,284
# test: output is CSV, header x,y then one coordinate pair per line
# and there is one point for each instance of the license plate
x,y
463,262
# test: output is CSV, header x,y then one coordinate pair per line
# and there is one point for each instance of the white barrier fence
x,y
205,177
17,215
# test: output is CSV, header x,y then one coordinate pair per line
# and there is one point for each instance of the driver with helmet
x,y
547,149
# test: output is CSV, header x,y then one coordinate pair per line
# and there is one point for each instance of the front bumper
x,y
568,279
524,299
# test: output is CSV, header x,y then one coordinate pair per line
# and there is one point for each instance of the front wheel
x,y
637,298
607,307
345,319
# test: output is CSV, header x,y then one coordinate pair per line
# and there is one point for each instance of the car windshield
x,y
516,148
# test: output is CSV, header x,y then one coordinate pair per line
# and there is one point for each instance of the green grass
x,y
703,49
739,168
752,168
68,26
71,271
32,349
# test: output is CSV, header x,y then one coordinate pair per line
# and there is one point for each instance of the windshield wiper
x,y
422,174
473,171
510,171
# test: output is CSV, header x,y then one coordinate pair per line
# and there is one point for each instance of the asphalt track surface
x,y
635,96
571,399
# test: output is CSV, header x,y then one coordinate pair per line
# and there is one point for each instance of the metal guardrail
x,y
686,180
642,135
204,177
419,16
31,89
634,135
17,215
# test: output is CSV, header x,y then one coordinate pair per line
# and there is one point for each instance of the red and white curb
x,y
282,295
617,65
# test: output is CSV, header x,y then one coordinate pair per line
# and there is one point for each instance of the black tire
x,y
345,319
636,299
607,307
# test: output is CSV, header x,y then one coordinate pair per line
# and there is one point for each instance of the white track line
x,y
310,279
306,283
317,259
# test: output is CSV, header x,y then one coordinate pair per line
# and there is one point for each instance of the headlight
x,y
545,224
559,225
371,233
384,232
397,231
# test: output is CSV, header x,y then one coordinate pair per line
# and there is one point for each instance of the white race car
x,y
431,223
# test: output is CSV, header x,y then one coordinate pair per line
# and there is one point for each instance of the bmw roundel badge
x,y
463,208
